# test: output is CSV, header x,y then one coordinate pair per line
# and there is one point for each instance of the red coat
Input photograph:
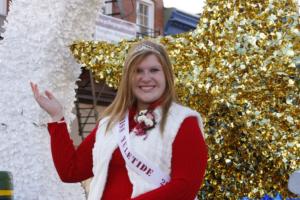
x,y
187,174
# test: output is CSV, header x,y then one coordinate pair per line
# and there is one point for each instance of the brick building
x,y
147,14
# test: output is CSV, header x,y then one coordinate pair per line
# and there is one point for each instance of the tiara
x,y
145,47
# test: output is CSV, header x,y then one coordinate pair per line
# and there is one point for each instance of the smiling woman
x,y
145,142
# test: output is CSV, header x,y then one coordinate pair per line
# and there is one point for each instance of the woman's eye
x,y
139,71
154,70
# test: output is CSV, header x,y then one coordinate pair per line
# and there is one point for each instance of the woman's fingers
x,y
34,89
31,85
49,95
37,94
40,98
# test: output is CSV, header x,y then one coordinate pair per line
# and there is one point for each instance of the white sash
x,y
144,168
147,170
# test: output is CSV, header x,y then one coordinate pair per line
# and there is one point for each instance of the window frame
x,y
107,8
151,15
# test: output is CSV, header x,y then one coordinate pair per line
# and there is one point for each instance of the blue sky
x,y
190,6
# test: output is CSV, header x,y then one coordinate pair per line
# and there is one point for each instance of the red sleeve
x,y
72,165
188,165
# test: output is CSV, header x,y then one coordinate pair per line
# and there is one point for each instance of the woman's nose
x,y
145,76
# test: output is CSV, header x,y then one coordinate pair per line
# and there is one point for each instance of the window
x,y
145,16
107,8
3,7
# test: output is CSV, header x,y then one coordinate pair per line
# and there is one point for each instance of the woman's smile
x,y
147,88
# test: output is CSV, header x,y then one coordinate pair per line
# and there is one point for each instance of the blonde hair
x,y
125,97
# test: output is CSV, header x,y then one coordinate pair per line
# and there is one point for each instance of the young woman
x,y
145,147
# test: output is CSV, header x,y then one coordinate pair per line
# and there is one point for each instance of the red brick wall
x,y
130,13
159,16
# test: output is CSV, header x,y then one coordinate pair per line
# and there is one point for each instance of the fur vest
x,y
157,148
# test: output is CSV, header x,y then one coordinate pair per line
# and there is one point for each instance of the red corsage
x,y
145,121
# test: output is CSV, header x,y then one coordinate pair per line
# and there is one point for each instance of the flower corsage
x,y
145,121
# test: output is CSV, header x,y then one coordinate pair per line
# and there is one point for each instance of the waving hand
x,y
48,102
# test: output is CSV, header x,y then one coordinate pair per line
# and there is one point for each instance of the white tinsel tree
x,y
35,48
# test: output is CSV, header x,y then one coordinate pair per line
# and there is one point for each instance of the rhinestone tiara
x,y
145,47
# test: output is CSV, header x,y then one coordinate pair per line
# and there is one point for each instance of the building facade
x,y
177,21
148,15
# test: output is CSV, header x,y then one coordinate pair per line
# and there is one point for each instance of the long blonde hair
x,y
125,98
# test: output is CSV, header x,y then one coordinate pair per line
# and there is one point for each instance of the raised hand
x,y
48,102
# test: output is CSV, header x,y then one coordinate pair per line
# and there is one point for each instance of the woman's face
x,y
148,82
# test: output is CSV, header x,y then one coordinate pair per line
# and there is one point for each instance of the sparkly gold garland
x,y
237,69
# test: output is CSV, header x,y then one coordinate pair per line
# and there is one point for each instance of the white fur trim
x,y
156,148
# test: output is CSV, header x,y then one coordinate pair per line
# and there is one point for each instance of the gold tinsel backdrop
x,y
238,69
